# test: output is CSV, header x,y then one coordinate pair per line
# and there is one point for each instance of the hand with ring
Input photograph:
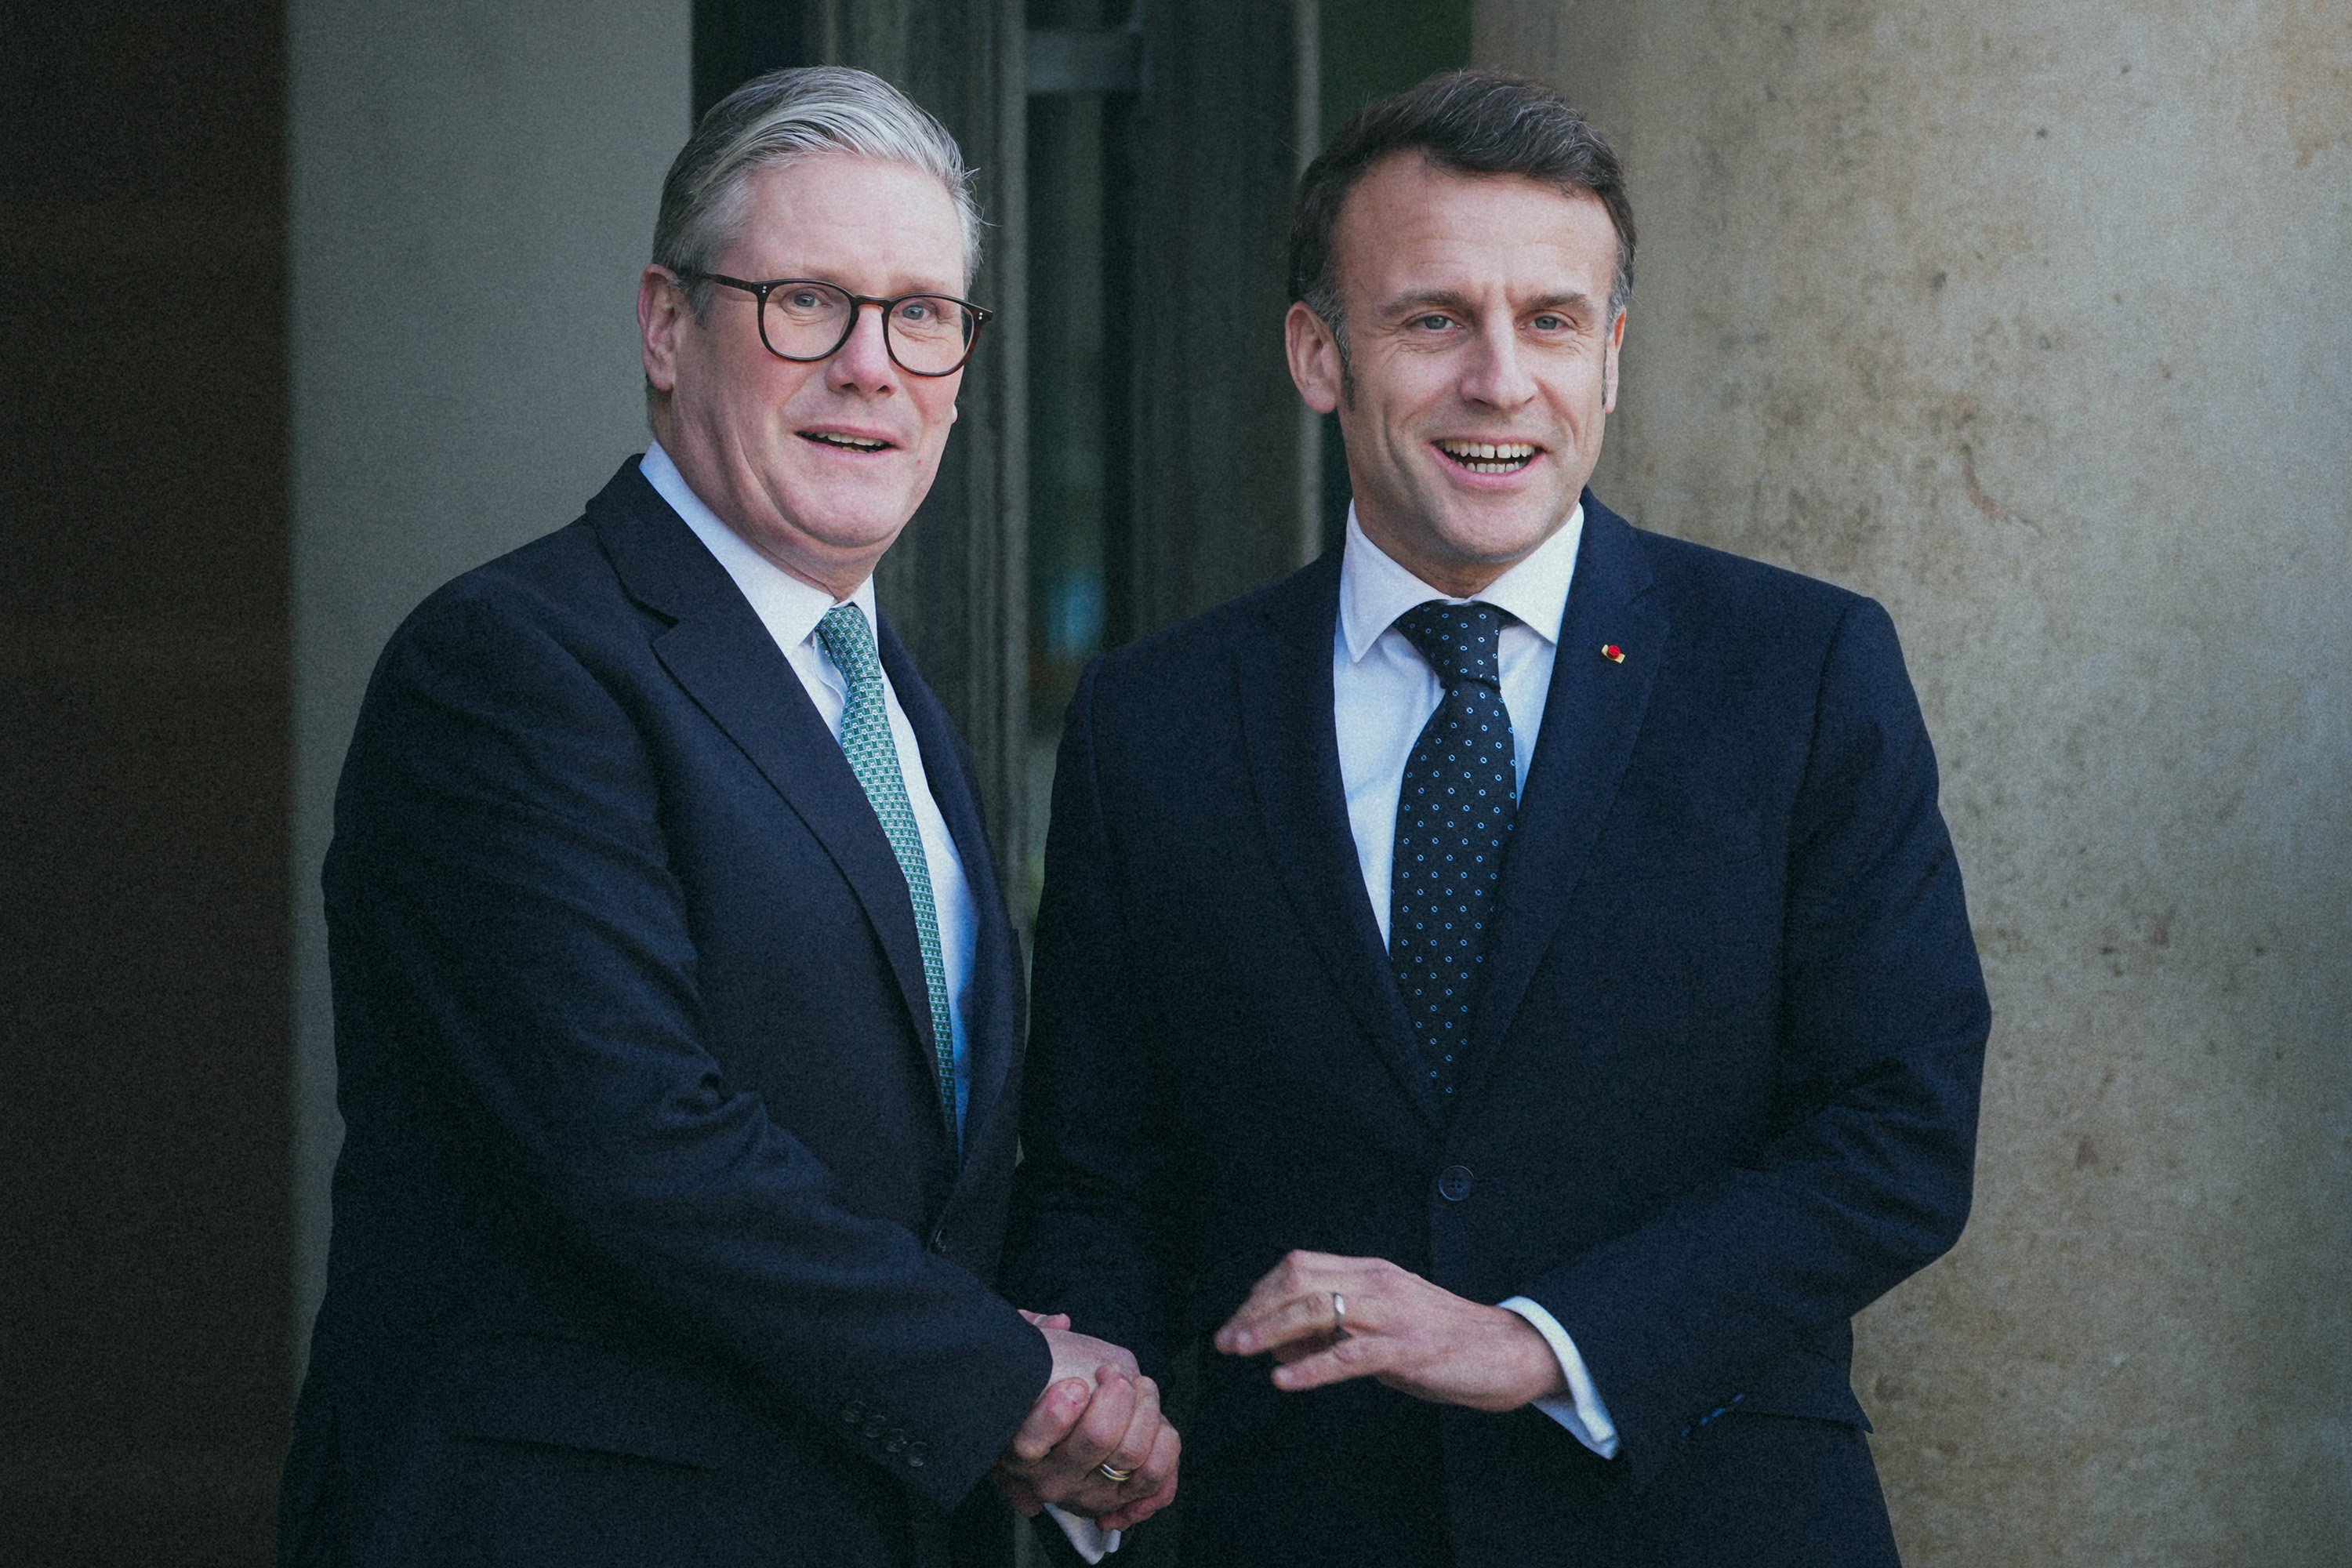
x,y
1327,1319
1096,1442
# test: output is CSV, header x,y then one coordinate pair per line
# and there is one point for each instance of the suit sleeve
x,y
499,887
1865,1176
1094,1198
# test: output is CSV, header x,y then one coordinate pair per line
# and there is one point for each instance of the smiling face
x,y
1484,362
820,465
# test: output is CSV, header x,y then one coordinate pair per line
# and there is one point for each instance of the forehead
x,y
876,227
1410,225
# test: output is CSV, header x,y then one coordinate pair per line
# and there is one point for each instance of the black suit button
x,y
939,1240
918,1454
897,1443
853,1412
874,1429
1453,1183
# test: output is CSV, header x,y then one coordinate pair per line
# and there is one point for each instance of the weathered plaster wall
x,y
472,193
2032,322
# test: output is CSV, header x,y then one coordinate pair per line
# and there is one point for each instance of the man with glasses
x,y
676,1007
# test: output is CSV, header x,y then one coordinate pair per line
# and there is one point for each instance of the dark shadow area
x,y
145,774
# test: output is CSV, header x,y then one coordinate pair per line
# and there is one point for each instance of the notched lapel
x,y
722,655
1294,759
1591,718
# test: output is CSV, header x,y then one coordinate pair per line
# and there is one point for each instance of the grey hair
x,y
777,120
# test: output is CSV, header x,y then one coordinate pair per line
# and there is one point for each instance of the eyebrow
x,y
1569,299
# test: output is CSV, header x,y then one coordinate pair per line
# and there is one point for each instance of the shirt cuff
x,y
1580,1410
1088,1539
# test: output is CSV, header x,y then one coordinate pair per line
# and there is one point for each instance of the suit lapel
x,y
1294,758
1590,720
723,656
991,1010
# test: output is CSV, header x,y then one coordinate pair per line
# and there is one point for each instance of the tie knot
x,y
1460,641
850,641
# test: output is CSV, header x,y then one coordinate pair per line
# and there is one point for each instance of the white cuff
x,y
1581,1411
1088,1539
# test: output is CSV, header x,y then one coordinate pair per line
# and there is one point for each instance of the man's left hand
x,y
1398,1326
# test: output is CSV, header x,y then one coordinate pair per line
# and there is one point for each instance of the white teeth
x,y
1489,456
854,443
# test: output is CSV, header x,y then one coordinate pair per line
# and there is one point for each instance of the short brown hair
x,y
1472,123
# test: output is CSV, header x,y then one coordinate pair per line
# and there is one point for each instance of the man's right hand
x,y
1096,1408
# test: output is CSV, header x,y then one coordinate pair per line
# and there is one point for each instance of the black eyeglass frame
x,y
979,316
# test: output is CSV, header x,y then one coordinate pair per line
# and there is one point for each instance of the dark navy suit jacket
x,y
1720,1094
650,1242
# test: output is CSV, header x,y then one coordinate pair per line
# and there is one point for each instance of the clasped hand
x,y
1098,1409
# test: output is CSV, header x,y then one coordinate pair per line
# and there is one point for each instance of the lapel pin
x,y
1612,653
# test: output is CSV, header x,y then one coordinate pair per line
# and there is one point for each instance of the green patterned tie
x,y
874,758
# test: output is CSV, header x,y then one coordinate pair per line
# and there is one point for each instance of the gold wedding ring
x,y
1339,1316
1114,1474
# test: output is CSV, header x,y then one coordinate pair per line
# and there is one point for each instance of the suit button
x,y
874,1429
852,1413
939,1240
1453,1183
918,1454
896,1443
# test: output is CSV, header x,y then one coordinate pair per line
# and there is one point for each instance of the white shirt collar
x,y
1374,590
789,608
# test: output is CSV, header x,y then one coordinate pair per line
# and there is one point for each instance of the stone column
x,y
2031,321
472,196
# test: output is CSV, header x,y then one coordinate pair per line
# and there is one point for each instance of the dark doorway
x,y
145,784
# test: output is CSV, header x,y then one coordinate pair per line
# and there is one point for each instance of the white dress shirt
x,y
1382,693
790,609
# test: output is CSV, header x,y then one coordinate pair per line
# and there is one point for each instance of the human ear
x,y
1314,354
663,313
1609,356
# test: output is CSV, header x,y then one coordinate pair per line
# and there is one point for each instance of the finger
x,y
1044,1320
1098,1431
1303,1316
1301,1348
1297,1273
1135,1513
1133,1451
1297,1289
1156,1480
1049,1420
1354,1356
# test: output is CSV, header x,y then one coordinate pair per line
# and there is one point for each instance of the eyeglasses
x,y
802,320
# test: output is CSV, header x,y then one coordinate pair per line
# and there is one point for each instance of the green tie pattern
x,y
874,758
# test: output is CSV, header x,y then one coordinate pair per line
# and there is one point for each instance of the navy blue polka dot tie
x,y
1454,818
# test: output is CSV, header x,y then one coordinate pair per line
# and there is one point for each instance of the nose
x,y
1496,374
863,364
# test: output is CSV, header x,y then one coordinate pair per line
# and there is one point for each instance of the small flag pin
x,y
1612,653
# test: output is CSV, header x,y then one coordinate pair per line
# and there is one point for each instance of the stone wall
x,y
2031,321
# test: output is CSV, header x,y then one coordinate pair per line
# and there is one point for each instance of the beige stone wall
x,y
2035,321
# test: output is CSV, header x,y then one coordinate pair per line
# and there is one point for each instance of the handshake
x,y
1096,1442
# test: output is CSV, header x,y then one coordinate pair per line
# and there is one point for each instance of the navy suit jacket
x,y
1720,1092
650,1241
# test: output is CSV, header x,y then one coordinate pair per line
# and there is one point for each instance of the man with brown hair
x,y
1512,972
